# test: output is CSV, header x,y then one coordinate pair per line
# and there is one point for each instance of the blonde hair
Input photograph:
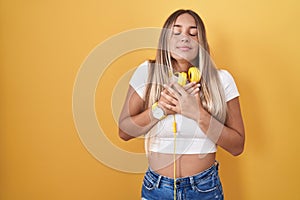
x,y
212,92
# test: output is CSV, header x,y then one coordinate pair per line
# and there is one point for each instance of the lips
x,y
184,48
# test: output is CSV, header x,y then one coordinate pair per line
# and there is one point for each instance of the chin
x,y
189,59
182,56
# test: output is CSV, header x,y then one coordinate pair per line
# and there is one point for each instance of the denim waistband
x,y
160,180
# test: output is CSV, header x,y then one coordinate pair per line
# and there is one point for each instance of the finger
x,y
189,91
189,86
173,108
195,91
166,91
171,91
169,109
180,89
163,105
169,98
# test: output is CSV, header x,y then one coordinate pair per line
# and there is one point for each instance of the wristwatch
x,y
157,112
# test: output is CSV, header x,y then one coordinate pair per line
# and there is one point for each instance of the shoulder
x,y
143,67
228,83
141,73
139,78
225,76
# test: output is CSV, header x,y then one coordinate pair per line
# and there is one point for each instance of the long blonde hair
x,y
212,92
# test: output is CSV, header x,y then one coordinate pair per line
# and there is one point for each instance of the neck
x,y
181,66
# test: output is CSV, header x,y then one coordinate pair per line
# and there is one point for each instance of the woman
x,y
206,114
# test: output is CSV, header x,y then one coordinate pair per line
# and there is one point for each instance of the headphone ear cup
x,y
194,74
182,77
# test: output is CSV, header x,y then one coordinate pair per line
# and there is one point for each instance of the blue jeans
x,y
203,186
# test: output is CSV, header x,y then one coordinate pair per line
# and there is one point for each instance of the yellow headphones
x,y
193,75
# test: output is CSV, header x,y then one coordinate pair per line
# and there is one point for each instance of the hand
x,y
192,88
183,100
166,99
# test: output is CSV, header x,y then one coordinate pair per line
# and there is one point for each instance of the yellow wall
x,y
44,43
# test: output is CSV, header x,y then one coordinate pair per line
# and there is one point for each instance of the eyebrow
x,y
177,25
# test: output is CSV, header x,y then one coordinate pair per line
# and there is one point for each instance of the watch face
x,y
158,113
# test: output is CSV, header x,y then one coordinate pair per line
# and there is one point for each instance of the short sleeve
x,y
139,79
230,88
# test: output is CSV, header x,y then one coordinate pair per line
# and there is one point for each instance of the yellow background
x,y
43,44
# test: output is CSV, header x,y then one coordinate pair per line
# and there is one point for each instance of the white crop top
x,y
190,139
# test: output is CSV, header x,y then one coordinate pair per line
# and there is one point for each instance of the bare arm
x,y
134,120
231,135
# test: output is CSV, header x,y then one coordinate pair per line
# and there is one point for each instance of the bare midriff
x,y
186,164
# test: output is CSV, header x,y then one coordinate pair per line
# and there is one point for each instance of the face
x,y
184,39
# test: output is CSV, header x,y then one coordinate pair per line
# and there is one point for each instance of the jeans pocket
x,y
148,182
208,184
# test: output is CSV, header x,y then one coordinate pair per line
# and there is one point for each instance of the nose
x,y
185,38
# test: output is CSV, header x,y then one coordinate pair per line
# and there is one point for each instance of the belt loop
x,y
192,182
217,164
158,181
